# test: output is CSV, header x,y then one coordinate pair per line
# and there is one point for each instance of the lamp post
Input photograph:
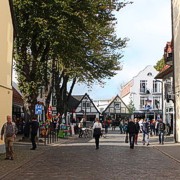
x,y
85,118
162,97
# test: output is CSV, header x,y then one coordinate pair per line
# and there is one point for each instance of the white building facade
x,y
145,92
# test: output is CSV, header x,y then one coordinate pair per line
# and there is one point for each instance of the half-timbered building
x,y
116,109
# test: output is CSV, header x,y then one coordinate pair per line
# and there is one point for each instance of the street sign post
x,y
38,109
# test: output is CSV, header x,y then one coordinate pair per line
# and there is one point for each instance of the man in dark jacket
x,y
161,129
34,129
131,129
137,130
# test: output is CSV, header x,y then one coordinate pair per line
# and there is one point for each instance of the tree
x,y
62,40
131,107
160,64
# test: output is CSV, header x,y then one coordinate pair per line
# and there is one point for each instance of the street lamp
x,y
86,100
162,97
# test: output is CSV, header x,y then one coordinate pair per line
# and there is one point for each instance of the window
x,y
156,87
116,105
156,102
83,104
148,104
142,102
170,109
86,104
111,110
143,86
149,74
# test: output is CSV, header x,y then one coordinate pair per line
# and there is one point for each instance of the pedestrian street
x,y
77,158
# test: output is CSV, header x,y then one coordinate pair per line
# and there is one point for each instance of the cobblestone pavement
x,y
76,158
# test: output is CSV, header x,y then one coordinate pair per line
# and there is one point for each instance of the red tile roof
x,y
167,69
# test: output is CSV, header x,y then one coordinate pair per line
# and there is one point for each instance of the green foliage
x,y
131,107
159,65
78,34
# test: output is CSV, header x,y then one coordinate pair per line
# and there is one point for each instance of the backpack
x,y
125,127
161,126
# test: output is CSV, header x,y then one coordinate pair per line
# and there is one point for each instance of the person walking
x,y
161,129
145,130
34,124
137,130
106,125
97,127
152,127
156,129
125,131
131,129
121,126
9,131
113,125
80,126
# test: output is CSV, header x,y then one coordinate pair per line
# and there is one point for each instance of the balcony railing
x,y
156,91
144,91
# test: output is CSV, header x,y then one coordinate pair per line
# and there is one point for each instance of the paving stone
x,y
76,158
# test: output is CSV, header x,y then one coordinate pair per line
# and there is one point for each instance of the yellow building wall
x,y
6,48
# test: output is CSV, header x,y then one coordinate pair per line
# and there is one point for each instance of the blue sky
x,y
147,23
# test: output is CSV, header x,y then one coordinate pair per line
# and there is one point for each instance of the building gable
x,y
86,106
116,106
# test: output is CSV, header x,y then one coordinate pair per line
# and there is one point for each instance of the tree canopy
x,y
65,40
131,106
160,64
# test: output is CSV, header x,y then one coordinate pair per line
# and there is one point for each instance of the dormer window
x,y
149,74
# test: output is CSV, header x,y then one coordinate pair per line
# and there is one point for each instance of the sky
x,y
147,23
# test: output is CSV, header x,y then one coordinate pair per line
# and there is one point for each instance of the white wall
x,y
135,89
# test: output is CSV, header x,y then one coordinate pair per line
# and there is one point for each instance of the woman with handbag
x,y
97,127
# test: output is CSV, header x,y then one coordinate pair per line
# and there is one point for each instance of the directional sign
x,y
38,109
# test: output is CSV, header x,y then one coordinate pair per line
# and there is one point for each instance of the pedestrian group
x,y
130,128
133,129
8,134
